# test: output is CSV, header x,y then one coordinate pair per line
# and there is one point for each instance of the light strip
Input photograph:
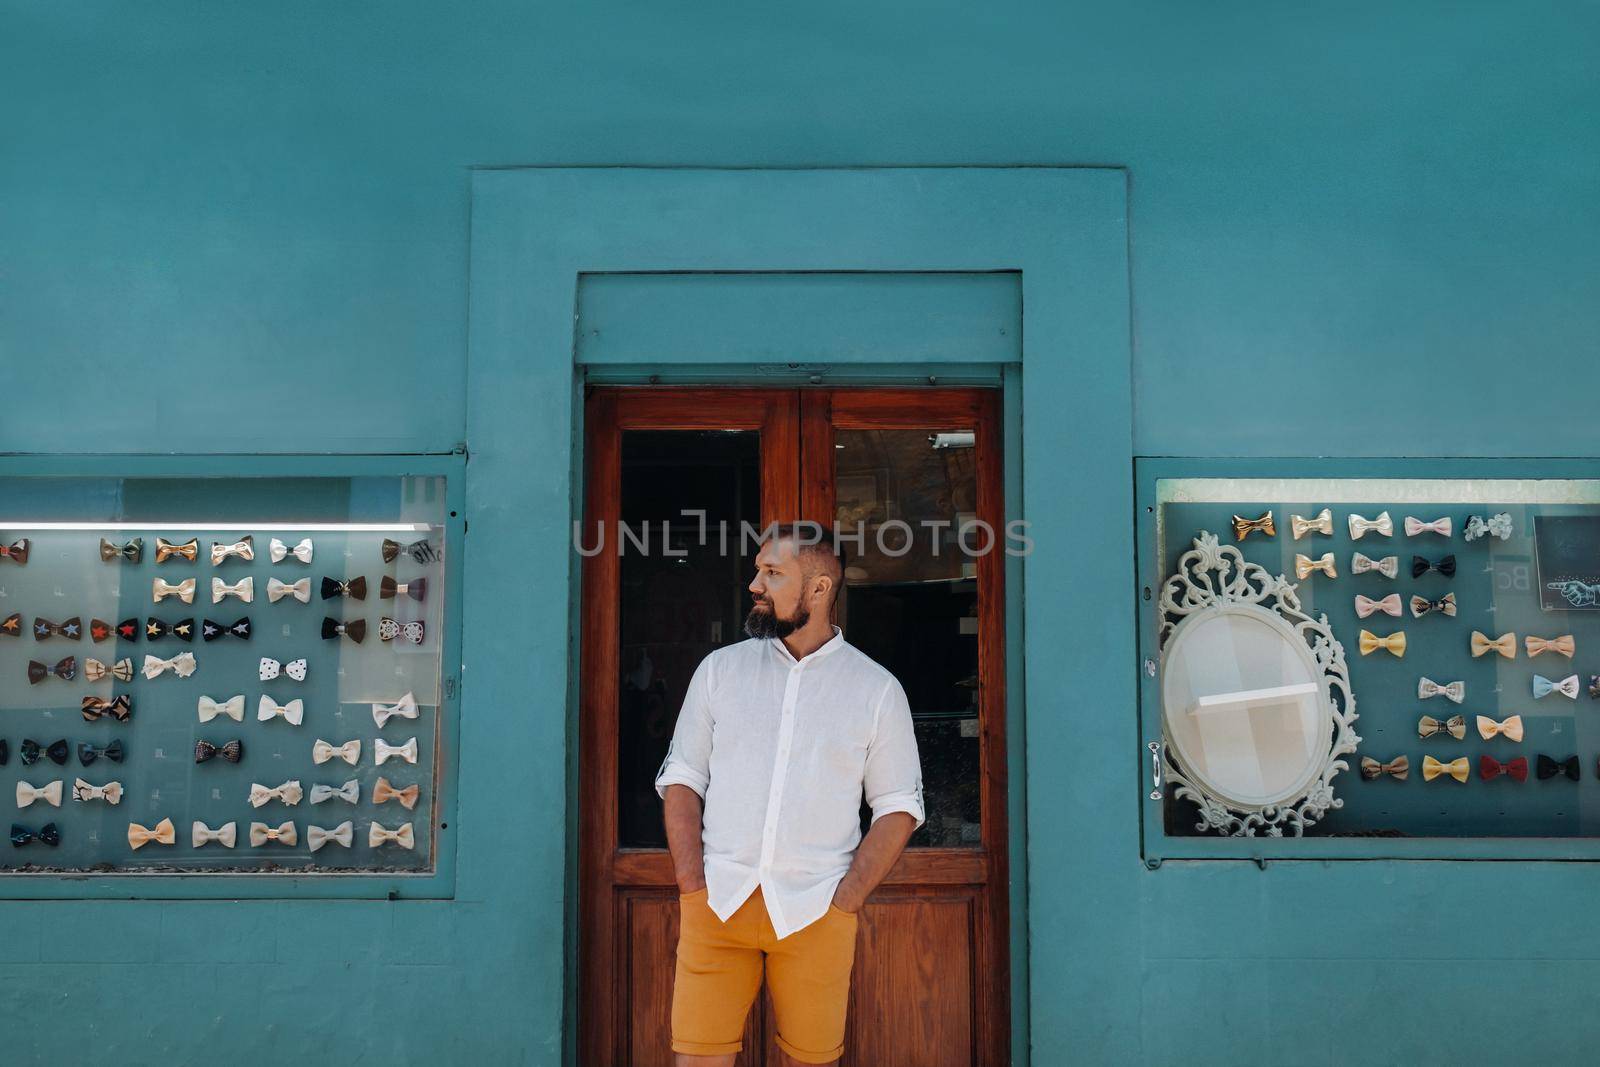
x,y
270,527
1403,491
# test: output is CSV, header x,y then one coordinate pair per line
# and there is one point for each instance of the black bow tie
x,y
1421,566
416,588
5,751
66,670
1549,768
57,751
16,551
133,551
155,629
355,629
210,631
12,626
88,753
118,707
72,629
233,751
21,835
355,588
421,551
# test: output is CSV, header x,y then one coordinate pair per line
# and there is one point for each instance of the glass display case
x,y
208,675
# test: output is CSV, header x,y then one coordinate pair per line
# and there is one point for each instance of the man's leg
x,y
808,975
715,981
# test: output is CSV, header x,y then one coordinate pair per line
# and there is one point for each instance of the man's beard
x,y
767,624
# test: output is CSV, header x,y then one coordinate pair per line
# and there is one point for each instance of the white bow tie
x,y
350,792
1383,526
300,590
1416,527
233,708
301,552
405,708
111,792
382,750
160,589
225,835
377,835
271,668
50,794
350,751
289,792
244,589
389,629
183,665
261,833
244,548
294,711
342,834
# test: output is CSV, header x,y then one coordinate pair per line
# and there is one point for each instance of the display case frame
x,y
435,883
1158,845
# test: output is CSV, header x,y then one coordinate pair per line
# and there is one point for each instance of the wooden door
x,y
930,982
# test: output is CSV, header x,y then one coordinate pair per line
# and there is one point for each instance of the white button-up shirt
x,y
782,752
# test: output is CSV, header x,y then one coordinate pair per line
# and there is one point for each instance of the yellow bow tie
x,y
1510,729
1395,642
1399,767
1432,768
1455,726
1535,645
163,833
161,589
1304,565
1243,527
1321,523
166,549
1383,526
1505,644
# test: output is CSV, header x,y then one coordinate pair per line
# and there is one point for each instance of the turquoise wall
x,y
1353,231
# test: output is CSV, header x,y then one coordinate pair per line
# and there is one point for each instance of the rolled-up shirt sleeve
x,y
688,760
893,779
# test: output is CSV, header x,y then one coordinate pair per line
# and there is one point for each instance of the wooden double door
x,y
674,479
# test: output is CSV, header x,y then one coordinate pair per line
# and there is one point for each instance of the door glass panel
x,y
911,601
679,600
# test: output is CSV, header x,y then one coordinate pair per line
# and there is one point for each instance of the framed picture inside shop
x,y
1369,658
229,676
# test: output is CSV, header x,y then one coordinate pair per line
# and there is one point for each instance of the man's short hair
x,y
818,550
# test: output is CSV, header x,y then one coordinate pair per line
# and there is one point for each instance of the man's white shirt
x,y
782,752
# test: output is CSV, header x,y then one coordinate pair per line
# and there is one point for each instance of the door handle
x,y
1155,769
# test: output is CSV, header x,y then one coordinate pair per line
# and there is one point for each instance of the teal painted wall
x,y
1354,231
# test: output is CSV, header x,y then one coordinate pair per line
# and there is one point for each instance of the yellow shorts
x,y
719,974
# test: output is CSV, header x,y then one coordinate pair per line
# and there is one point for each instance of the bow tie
x,y
1496,526
1303,566
72,629
1505,644
122,670
1457,768
1416,527
1383,526
160,589
225,835
56,751
1455,726
233,708
50,794
213,630
155,629
244,548
1510,729
88,753
1321,522
1421,605
300,590
16,551
377,835
1242,528
355,629
133,551
111,792
48,834
183,665
342,834
382,750
355,588
232,751
1420,566
1535,645
244,589
261,833
1516,769
405,708
350,792
163,833
294,711
417,588
388,630
127,629
424,552
1549,768
65,669
301,551
1388,566
1567,687
1455,692
12,625
1389,605
1399,768
289,793
295,668
118,707
188,550
407,797
350,752
1394,643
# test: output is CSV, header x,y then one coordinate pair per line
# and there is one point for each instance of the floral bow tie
x,y
56,752
1455,726
289,793
1567,687
1455,692
183,665
244,548
1421,605
1495,526
47,834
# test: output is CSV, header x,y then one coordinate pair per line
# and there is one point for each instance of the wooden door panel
x,y
912,990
